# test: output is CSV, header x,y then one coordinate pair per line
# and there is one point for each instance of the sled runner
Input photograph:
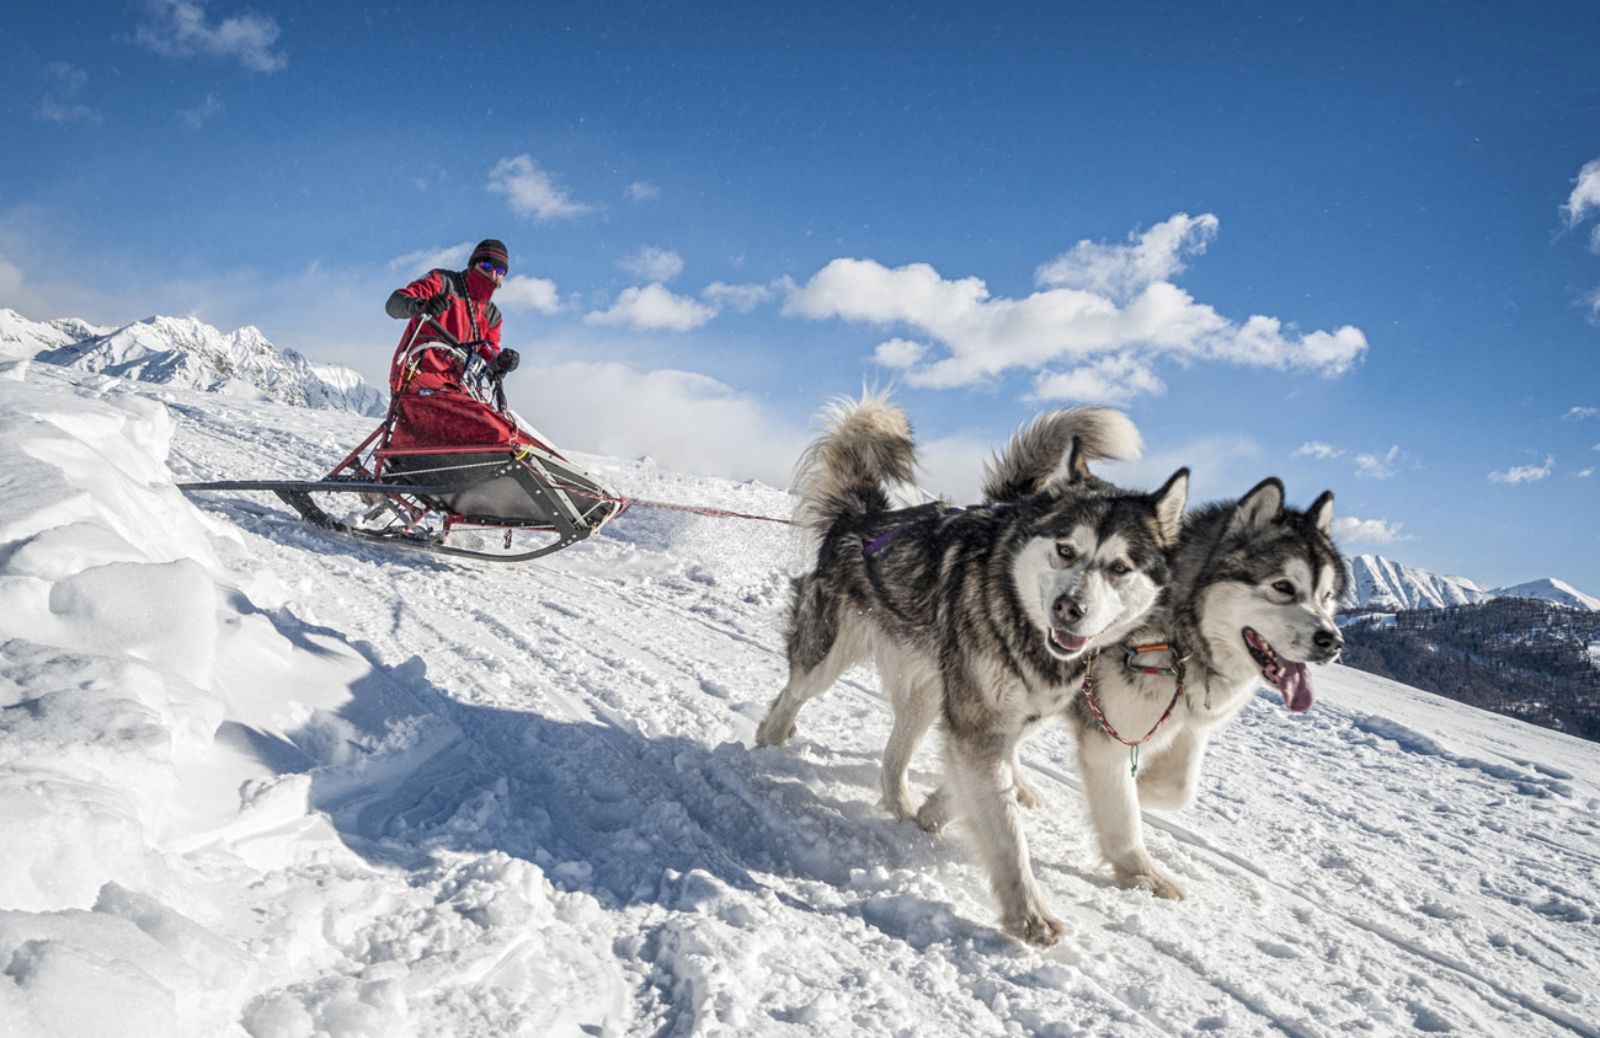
x,y
452,462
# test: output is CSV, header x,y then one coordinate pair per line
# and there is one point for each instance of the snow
x,y
188,353
1552,590
1380,583
259,780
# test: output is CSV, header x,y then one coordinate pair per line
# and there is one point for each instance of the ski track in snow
x,y
533,806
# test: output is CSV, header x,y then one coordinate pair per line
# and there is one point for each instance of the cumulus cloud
x,y
1584,473
450,257
653,264
1104,312
1110,380
686,421
1525,473
181,29
532,192
1578,414
200,114
742,298
654,308
1585,198
1317,449
898,353
1122,271
1371,465
1349,530
521,292
642,191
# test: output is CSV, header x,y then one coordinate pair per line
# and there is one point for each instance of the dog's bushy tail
x,y
867,445
1039,452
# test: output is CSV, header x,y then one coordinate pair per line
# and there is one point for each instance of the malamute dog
x,y
1252,599
983,618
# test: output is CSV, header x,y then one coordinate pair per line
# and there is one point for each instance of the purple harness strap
x,y
881,541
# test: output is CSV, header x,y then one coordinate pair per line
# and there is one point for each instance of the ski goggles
x,y
491,267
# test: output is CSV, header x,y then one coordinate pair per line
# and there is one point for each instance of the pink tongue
x,y
1296,687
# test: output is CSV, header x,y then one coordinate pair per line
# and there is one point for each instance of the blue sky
x,y
1357,246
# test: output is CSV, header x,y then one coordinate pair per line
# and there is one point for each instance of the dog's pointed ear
x,y
1321,513
1170,501
1263,505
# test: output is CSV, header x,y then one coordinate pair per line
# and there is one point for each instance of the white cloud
x,y
1377,466
1350,530
66,83
451,257
1578,414
898,353
200,114
52,110
1109,380
1585,197
1096,335
1525,473
1122,271
642,191
1584,473
742,298
653,307
521,292
180,29
687,422
653,264
1317,449
531,191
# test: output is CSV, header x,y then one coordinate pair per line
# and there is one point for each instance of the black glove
x,y
430,307
506,362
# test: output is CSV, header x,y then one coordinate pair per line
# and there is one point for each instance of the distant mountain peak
x,y
1383,584
187,352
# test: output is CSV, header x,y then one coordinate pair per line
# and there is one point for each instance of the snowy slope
x,y
1551,590
1380,583
255,779
187,353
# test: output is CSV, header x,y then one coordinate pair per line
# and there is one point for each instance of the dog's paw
x,y
900,807
1036,927
1154,882
1028,794
934,813
772,733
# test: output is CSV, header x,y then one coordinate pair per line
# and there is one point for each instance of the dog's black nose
x,y
1068,609
1328,640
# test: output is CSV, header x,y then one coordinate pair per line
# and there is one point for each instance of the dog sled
x,y
453,474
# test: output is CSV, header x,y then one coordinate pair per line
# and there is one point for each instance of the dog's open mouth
x,y
1064,643
1287,676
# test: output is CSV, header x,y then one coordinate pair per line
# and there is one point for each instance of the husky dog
x,y
1252,599
982,618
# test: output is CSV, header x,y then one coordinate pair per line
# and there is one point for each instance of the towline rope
x,y
631,502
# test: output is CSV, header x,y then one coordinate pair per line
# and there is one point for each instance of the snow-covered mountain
x,y
1383,584
1380,583
260,780
1550,590
188,353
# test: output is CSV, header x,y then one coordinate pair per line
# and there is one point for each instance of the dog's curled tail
x,y
867,445
1042,451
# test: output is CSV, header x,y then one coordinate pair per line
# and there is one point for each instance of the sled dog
x,y
1252,599
982,618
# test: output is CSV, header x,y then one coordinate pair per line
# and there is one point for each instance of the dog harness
x,y
1176,670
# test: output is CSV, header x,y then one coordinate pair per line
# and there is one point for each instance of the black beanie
x,y
491,249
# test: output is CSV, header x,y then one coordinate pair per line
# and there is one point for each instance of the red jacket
x,y
471,318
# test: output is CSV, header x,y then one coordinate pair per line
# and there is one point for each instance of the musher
x,y
428,384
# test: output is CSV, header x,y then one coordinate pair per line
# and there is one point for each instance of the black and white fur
x,y
980,619
1254,590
